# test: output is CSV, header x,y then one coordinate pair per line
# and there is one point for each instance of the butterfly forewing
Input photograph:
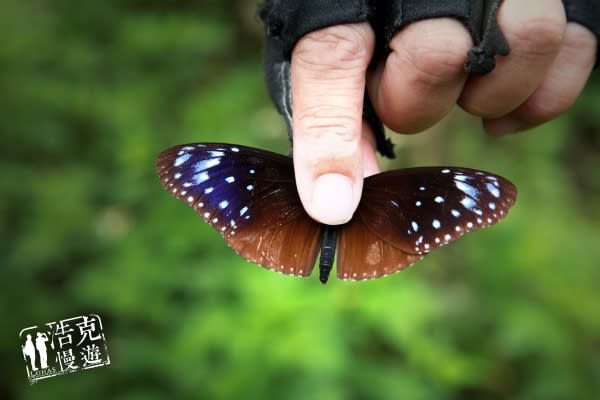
x,y
419,209
250,197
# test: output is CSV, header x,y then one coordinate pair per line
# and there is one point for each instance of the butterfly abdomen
x,y
328,249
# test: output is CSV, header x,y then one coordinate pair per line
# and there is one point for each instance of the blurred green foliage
x,y
92,91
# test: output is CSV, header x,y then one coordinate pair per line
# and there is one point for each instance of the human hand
x,y
418,83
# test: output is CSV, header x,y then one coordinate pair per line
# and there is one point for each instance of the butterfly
x,y
249,196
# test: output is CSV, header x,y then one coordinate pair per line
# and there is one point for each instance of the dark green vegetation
x,y
89,94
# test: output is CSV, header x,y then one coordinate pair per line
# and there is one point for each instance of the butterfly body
x,y
327,251
249,196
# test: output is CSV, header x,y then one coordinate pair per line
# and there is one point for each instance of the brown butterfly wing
x,y
406,213
364,255
419,209
290,248
249,196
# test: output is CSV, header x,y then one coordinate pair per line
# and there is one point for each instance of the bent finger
x,y
563,83
423,75
534,30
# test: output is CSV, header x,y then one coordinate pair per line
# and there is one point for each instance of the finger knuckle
x,y
343,46
434,61
579,38
541,36
474,103
322,123
478,108
539,109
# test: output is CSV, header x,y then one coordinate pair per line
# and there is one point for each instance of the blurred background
x,y
91,92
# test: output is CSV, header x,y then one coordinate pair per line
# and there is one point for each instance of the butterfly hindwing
x,y
419,209
290,248
363,255
249,196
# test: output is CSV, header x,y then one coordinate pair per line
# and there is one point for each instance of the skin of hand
x,y
418,83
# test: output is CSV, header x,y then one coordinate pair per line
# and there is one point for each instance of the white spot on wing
x,y
493,190
415,226
436,224
243,211
230,179
181,159
439,199
200,178
223,204
467,189
468,202
206,164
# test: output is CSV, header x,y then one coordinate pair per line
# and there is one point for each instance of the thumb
x,y
328,84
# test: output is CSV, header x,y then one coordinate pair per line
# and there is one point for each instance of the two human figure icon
x,y
40,345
